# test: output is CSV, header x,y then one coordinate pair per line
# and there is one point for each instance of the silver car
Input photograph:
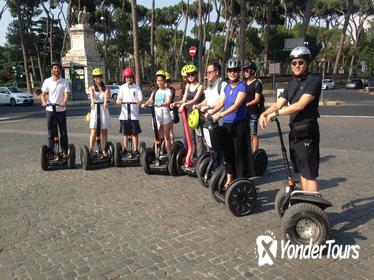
x,y
328,84
114,89
15,96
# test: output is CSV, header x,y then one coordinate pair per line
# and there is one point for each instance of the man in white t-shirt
x,y
130,92
215,88
56,90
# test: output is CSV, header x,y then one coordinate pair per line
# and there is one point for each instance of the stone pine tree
x,y
135,35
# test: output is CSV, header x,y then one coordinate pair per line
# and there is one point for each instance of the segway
x,y
54,158
97,158
120,156
182,161
303,216
155,160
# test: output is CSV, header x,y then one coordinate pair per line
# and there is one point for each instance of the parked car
x,y
15,96
114,89
371,84
328,84
354,84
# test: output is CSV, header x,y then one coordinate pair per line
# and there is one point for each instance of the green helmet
x,y
183,71
161,73
97,72
190,68
168,76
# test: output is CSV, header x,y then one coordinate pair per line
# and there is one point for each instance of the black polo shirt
x,y
310,84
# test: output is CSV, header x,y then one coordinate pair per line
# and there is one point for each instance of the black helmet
x,y
251,66
301,52
56,62
233,63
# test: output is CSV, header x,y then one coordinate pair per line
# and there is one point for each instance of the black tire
x,y
85,158
44,158
142,147
71,156
241,197
177,144
117,154
217,182
278,203
201,170
201,158
304,221
172,165
260,162
179,160
114,96
147,159
13,102
110,150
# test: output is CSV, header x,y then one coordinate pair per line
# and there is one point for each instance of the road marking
x,y
338,116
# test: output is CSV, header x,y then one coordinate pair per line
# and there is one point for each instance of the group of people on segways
x,y
220,144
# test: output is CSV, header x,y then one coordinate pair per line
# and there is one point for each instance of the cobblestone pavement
x,y
119,223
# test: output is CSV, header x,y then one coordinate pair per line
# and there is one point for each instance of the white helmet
x,y
301,52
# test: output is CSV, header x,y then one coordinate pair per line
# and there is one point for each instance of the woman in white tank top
x,y
99,93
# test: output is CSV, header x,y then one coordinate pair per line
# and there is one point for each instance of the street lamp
x,y
323,63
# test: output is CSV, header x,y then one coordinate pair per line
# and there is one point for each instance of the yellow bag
x,y
88,117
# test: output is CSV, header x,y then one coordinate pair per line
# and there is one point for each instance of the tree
x,y
347,14
134,18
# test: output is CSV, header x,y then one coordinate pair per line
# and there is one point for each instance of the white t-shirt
x,y
56,91
130,93
212,95
162,113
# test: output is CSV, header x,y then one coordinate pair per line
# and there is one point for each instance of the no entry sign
x,y
192,51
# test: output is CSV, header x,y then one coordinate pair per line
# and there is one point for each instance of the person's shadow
x,y
355,213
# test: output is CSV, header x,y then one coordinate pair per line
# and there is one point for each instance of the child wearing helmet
x,y
193,94
302,93
130,92
99,93
236,145
161,98
173,112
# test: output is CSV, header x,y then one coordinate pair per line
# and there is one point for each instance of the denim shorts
x,y
253,123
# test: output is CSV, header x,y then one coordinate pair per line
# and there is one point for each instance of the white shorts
x,y
104,118
162,116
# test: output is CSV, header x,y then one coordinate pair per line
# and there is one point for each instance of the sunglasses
x,y
96,77
191,74
297,62
233,70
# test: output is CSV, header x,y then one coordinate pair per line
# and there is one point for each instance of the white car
x,y
328,84
15,96
114,89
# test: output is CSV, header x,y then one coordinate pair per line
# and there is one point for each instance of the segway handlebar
x,y
130,103
53,104
99,102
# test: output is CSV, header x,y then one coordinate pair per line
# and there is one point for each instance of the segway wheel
x,y
201,158
44,157
260,162
85,158
147,159
217,182
71,156
241,197
110,150
142,147
179,160
172,165
279,200
117,154
304,221
177,144
201,171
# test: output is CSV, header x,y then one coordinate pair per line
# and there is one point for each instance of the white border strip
x,y
339,116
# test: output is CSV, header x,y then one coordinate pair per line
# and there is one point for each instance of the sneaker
x,y
129,155
163,157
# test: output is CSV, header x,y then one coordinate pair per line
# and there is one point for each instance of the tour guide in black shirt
x,y
302,93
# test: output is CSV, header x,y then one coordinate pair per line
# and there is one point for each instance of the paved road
x,y
121,224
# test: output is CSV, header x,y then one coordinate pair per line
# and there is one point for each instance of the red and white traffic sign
x,y
192,51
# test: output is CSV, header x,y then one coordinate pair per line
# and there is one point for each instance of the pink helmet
x,y
128,72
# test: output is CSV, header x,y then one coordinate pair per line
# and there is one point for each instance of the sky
x,y
6,19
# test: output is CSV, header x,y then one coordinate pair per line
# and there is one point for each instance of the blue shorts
x,y
253,123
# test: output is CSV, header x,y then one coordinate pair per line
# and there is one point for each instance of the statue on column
x,y
83,16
